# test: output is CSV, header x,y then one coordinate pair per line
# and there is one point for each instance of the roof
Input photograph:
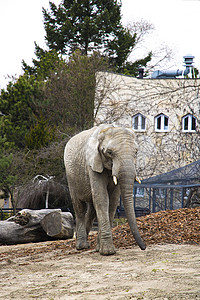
x,y
187,174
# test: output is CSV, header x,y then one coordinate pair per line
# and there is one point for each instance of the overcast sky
x,y
176,24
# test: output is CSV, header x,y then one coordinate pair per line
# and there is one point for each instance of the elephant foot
x,y
82,245
107,249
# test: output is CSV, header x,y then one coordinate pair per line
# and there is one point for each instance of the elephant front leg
x,y
114,195
101,203
105,244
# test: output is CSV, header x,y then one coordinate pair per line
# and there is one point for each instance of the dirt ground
x,y
48,271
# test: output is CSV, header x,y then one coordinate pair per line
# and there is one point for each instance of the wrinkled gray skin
x,y
92,158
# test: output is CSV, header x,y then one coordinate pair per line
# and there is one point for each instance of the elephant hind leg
x,y
80,209
90,216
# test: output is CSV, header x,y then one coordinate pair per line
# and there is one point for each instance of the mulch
x,y
172,226
181,226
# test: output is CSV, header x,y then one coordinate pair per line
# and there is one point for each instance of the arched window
x,y
161,123
139,122
189,123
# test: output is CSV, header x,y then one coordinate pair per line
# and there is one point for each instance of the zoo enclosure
x,y
156,197
176,189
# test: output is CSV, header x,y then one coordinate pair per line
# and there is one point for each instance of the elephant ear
x,y
93,156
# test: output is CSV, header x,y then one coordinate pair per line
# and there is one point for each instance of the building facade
x,y
164,114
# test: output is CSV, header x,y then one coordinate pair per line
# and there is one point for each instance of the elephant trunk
x,y
126,180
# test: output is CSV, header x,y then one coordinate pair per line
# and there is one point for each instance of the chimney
x,y
188,63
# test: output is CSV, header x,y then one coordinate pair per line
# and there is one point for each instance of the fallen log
x,y
36,226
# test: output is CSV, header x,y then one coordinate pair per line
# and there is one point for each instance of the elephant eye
x,y
109,152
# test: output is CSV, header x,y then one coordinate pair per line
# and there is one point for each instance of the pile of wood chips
x,y
178,226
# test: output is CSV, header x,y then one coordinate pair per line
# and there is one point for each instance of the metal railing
x,y
151,198
159,197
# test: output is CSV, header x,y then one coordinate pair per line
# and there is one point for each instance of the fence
x,y
150,198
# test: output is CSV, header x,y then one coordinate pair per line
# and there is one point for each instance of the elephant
x,y
100,166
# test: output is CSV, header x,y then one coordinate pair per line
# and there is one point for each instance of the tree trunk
x,y
36,226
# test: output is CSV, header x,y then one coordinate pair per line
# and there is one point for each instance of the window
x,y
161,123
189,123
139,122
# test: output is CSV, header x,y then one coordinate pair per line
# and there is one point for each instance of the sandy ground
x,y
159,272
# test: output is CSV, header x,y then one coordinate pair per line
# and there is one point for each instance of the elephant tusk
x,y
138,180
115,180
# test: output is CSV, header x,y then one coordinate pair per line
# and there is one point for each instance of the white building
x,y
164,113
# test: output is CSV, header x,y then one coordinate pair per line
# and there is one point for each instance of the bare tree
x,y
161,55
142,28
